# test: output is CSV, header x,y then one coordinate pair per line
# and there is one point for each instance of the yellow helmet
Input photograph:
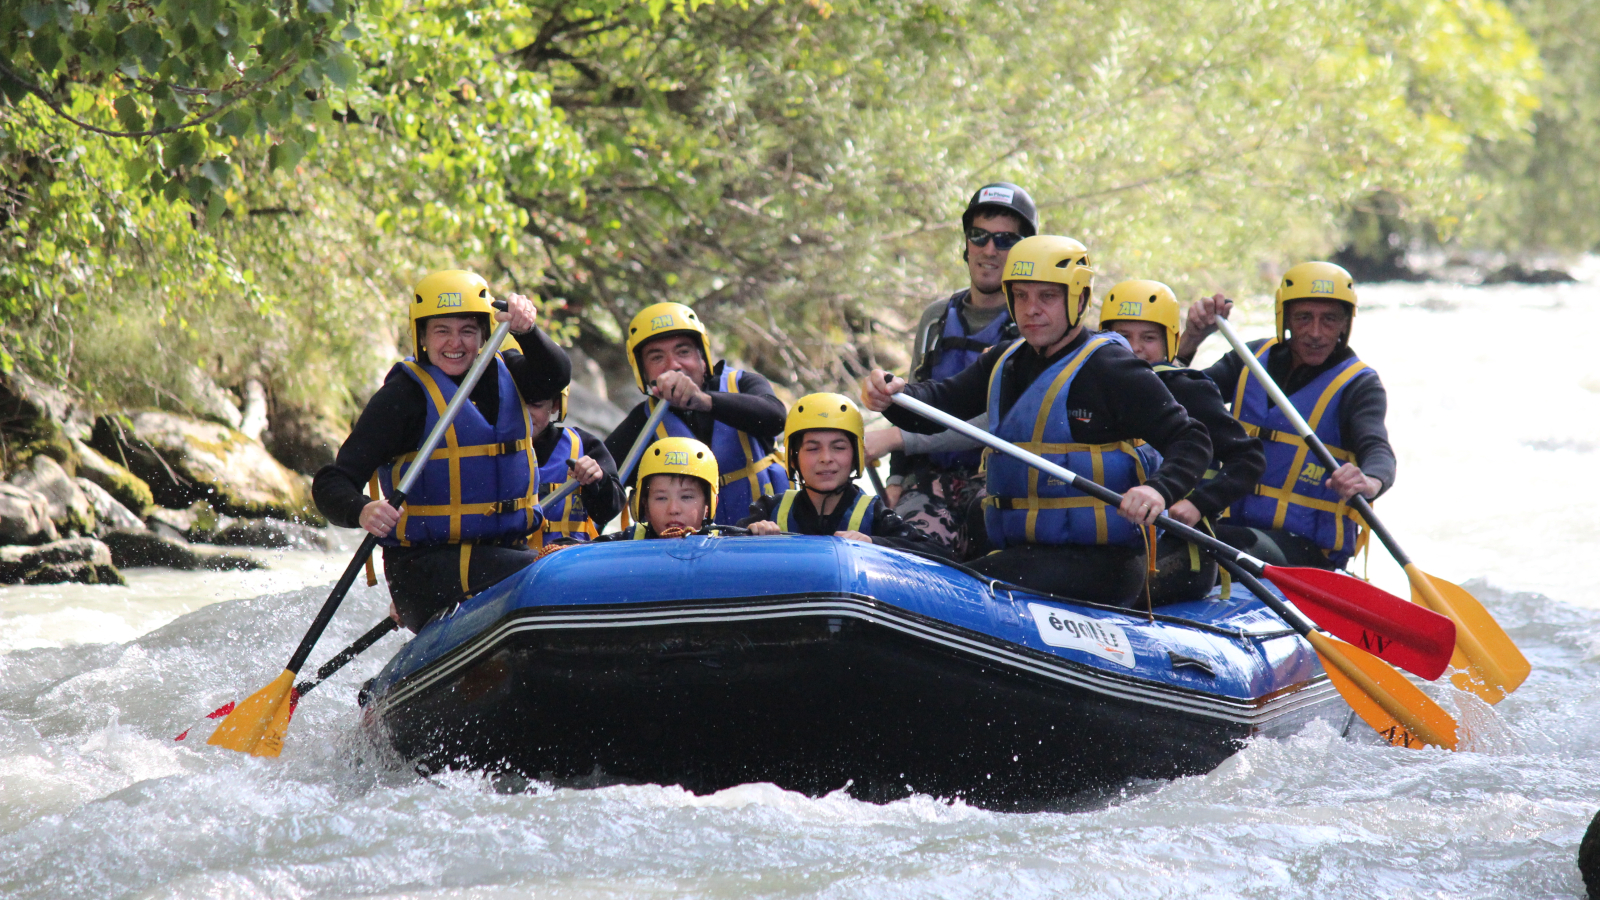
x,y
450,292
561,404
1054,259
660,320
1143,301
813,411
679,456
1315,281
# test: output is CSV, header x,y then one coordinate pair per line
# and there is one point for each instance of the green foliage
x,y
794,170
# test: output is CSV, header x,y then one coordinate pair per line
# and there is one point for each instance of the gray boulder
x,y
107,510
272,534
303,440
25,516
138,549
70,509
75,560
114,478
184,460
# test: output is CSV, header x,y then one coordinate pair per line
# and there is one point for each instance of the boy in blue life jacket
x,y
1084,402
1145,313
935,479
566,452
466,523
732,411
1298,514
823,437
677,493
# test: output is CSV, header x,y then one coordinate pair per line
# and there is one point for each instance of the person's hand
x,y
680,391
1185,512
765,526
586,470
1349,481
379,518
891,495
519,312
878,387
1141,505
853,536
1200,322
883,442
394,613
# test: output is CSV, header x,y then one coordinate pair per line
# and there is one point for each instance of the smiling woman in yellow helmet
x,y
1298,514
465,523
823,435
1081,400
731,410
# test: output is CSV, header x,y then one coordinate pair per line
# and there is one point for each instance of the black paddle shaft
x,y
343,657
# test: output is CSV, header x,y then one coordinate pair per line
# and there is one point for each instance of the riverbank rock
x,y
70,509
132,549
114,478
75,560
184,460
25,516
109,513
271,534
302,439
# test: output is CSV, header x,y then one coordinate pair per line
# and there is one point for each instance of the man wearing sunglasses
x,y
934,480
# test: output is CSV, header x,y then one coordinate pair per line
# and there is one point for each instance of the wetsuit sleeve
x,y
1241,455
603,499
762,510
889,530
963,395
621,438
1224,373
542,369
391,425
1140,406
1362,412
755,409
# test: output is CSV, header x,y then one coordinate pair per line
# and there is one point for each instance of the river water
x,y
1495,414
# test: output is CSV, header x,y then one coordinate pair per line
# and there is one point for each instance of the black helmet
x,y
1003,197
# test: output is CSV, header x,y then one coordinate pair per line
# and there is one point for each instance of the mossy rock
x,y
125,487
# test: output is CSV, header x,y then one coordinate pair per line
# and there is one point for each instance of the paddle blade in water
x,y
1404,634
1491,665
1383,698
266,710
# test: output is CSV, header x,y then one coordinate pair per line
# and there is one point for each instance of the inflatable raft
x,y
817,664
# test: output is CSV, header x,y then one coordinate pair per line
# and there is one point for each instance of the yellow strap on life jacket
x,y
859,513
784,507
564,526
466,561
373,491
1033,503
639,531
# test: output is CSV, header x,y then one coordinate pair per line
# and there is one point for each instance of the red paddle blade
x,y
218,713
1412,637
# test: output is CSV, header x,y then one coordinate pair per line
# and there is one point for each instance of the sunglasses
x,y
1003,240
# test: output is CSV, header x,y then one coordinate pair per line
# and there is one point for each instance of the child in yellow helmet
x,y
677,492
823,434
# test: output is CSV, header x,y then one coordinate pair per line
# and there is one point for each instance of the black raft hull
x,y
834,689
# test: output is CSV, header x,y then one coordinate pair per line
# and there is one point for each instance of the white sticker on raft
x,y
1060,628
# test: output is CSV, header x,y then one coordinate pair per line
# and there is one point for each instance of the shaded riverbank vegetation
x,y
214,205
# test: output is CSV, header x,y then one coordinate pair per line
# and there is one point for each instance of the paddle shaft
x,y
342,587
343,657
877,482
639,445
1098,491
1324,455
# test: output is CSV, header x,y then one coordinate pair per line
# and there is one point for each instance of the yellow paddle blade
x,y
1383,698
259,723
1490,665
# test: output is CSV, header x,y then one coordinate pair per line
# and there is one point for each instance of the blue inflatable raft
x,y
818,663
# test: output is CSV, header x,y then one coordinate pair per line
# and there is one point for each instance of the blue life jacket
x,y
1024,505
955,351
859,517
749,467
1291,495
570,520
481,484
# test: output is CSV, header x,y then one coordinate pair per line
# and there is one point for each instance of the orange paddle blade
x,y
258,725
1491,665
1383,698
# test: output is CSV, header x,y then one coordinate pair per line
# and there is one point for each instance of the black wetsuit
x,y
887,529
1114,397
426,579
1363,407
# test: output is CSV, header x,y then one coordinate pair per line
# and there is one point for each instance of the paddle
x,y
1373,690
1491,664
259,724
324,672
